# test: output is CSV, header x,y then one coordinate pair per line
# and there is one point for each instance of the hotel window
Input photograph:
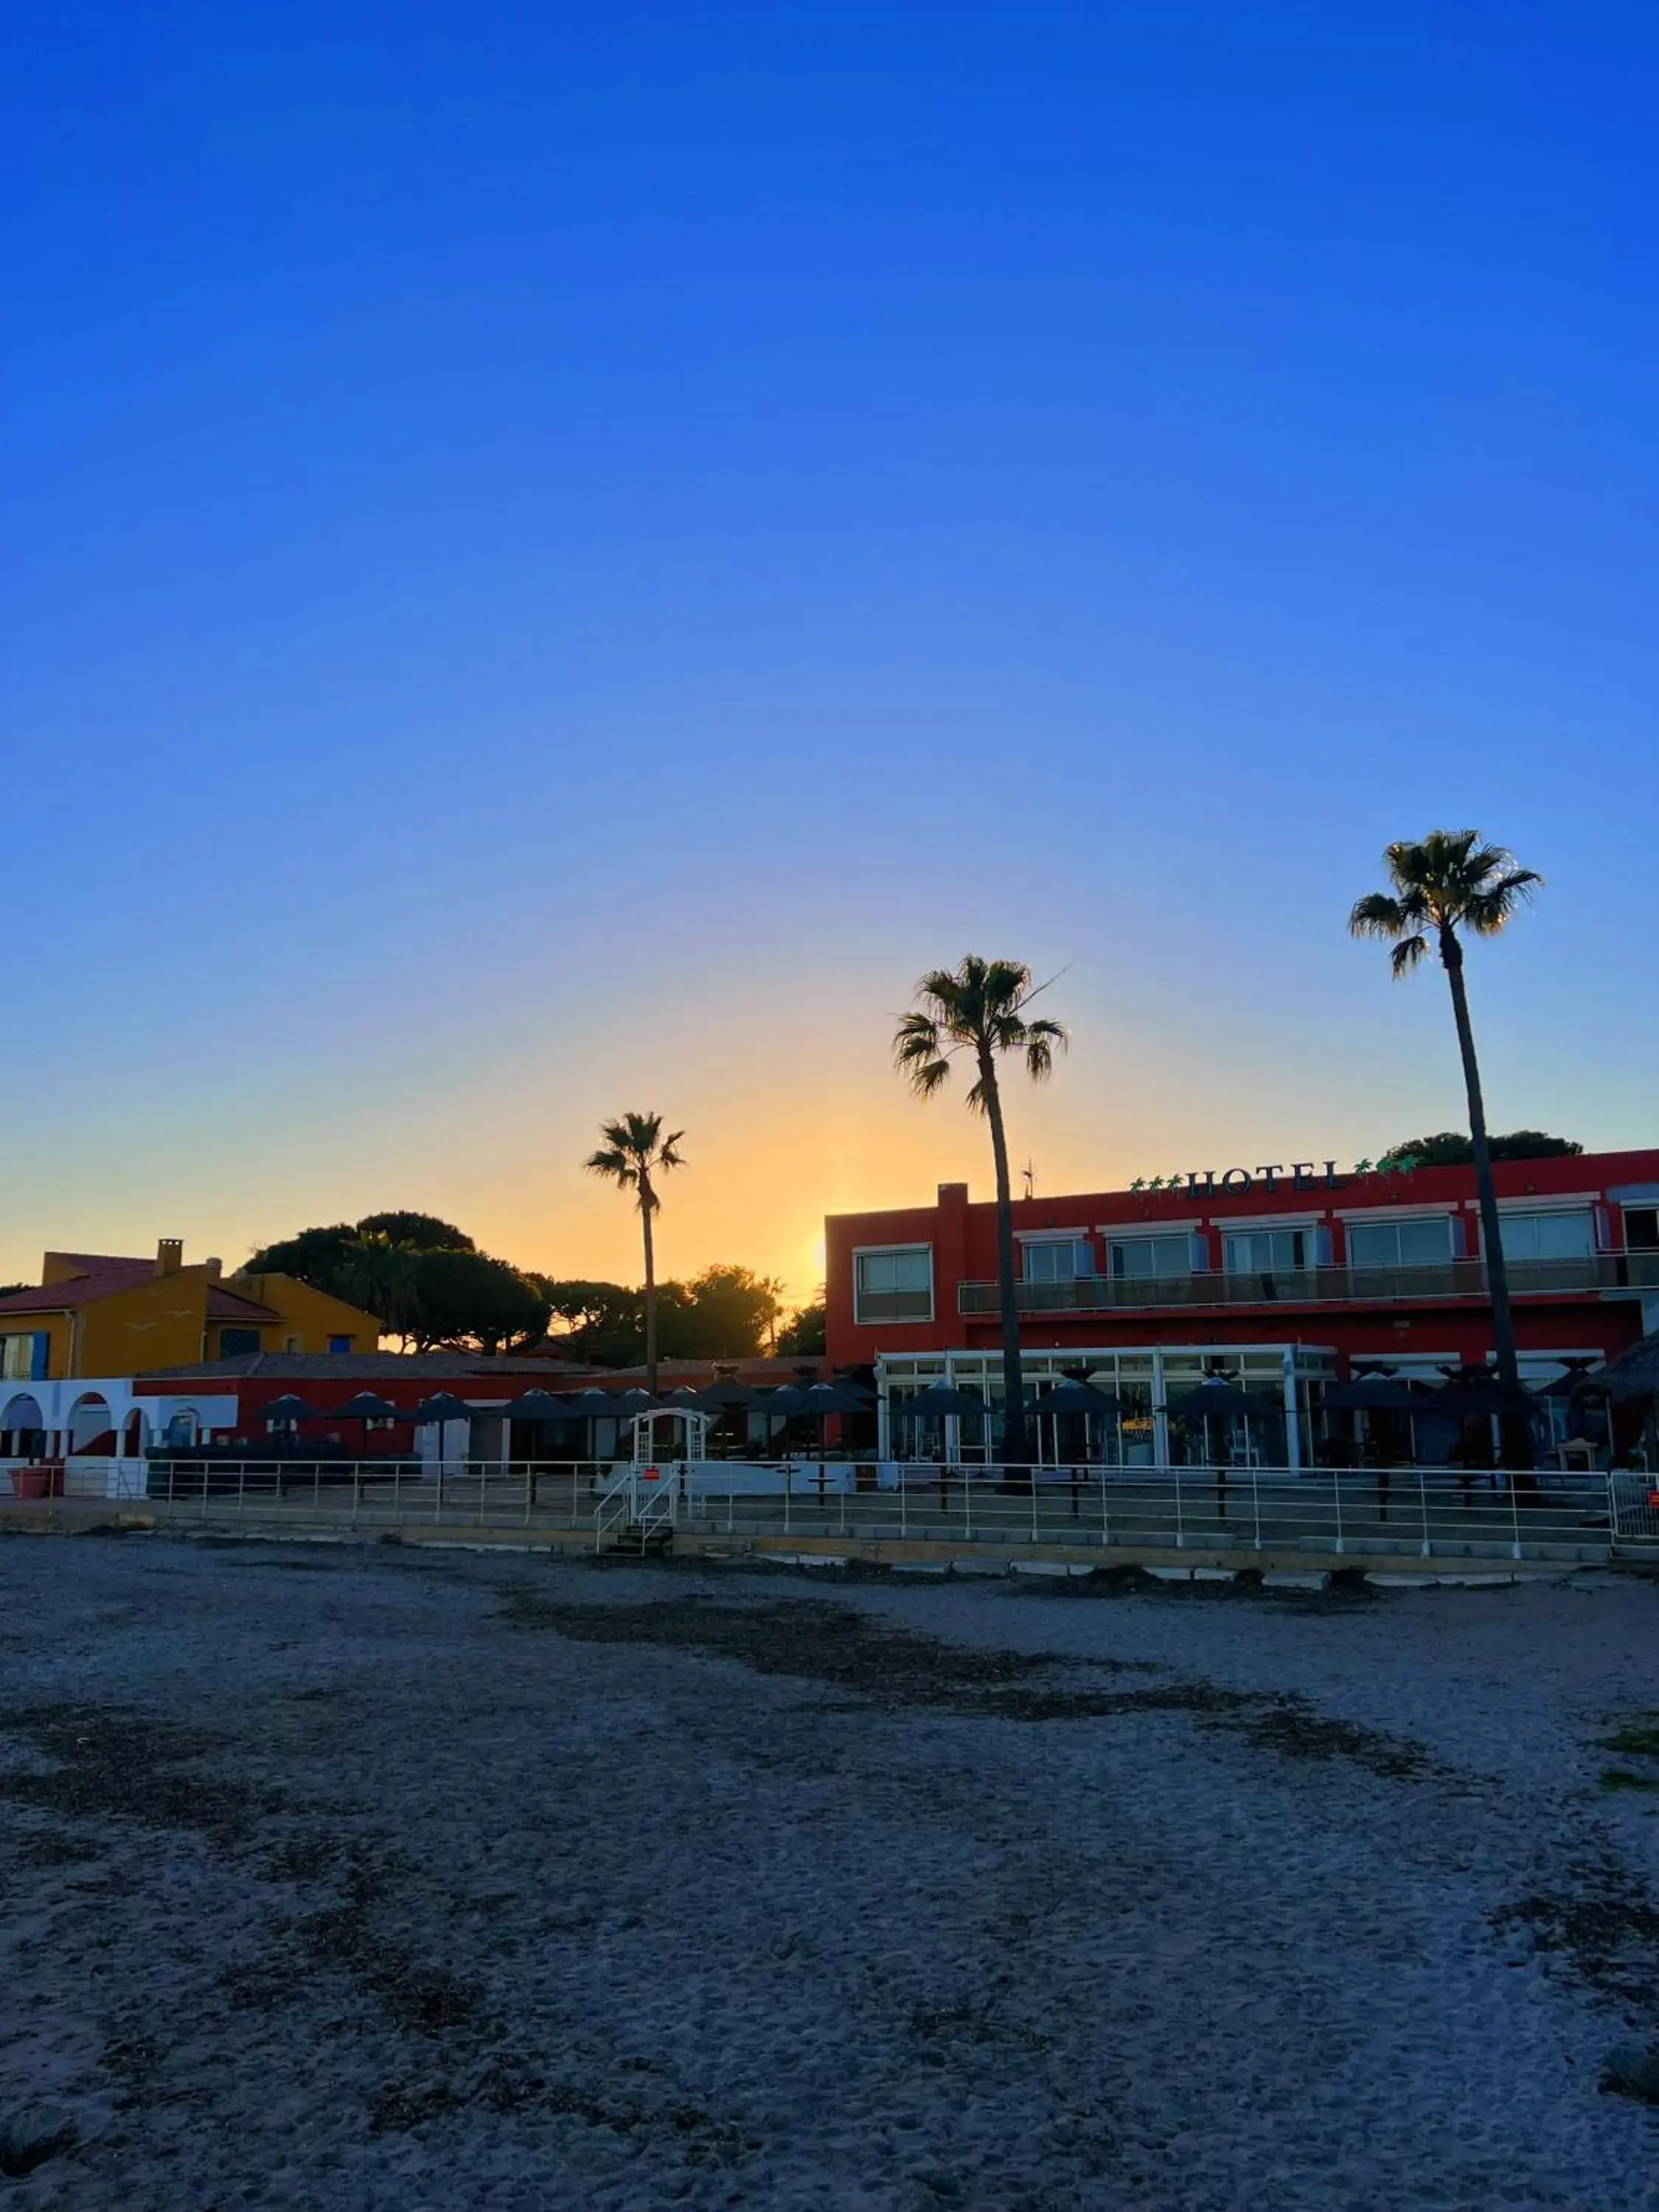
x,y
1547,1235
1401,1243
1642,1228
1061,1260
1137,1258
896,1286
236,1343
1275,1251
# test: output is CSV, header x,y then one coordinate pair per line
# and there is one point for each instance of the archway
x,y
134,1431
22,1428
91,1425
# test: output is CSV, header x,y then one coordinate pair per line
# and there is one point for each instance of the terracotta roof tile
x,y
62,1298
87,1290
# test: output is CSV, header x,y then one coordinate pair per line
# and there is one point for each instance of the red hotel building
x,y
1283,1274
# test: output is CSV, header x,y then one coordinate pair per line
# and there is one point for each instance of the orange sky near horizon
x,y
778,1137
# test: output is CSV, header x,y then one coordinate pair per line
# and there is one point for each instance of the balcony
x,y
1635,1270
870,1306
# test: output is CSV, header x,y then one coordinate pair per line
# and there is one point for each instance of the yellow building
x,y
92,1314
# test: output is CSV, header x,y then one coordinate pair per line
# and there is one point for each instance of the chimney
x,y
215,1269
169,1256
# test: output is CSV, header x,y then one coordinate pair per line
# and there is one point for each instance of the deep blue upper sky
x,y
556,557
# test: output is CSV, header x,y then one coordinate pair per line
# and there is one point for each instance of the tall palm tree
x,y
1451,885
634,1153
979,1011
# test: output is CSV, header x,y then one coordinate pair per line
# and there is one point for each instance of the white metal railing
x,y
656,1499
1367,1512
1349,1282
615,1507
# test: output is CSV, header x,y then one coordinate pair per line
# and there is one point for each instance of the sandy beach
x,y
356,1876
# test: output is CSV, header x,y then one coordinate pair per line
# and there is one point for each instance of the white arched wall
x,y
22,1424
91,1419
110,1402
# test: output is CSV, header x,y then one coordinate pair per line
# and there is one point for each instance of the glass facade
x,y
1144,1434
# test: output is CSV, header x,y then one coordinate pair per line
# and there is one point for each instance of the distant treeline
x,y
432,1287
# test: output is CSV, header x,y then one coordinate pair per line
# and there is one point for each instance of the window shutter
x,y
41,1356
1322,1245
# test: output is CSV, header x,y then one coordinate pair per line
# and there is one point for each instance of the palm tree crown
x,y
1451,882
980,1010
633,1151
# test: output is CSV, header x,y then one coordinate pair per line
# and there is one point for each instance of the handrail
x,y
615,1506
1353,1283
640,1499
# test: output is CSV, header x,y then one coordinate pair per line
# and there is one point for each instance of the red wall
x,y
963,1238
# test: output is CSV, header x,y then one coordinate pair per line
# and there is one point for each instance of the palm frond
x,y
1042,1040
920,1053
1006,985
669,1154
1377,914
941,992
613,1161
1486,911
1406,955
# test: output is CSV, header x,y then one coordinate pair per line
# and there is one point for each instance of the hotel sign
x,y
1300,1174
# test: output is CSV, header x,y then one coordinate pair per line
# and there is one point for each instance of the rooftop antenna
x,y
1029,1174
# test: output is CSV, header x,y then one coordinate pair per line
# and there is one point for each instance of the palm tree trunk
x,y
645,1210
1518,1439
1014,1453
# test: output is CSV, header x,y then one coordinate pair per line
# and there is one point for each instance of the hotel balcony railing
x,y
894,1305
1451,1278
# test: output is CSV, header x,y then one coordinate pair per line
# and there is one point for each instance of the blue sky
x,y
557,557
